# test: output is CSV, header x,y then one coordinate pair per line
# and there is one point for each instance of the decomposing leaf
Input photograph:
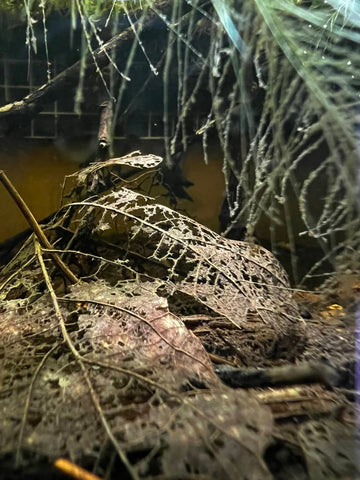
x,y
144,335
329,449
100,176
134,160
238,280
108,367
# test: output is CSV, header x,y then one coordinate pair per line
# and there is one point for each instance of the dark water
x,y
37,171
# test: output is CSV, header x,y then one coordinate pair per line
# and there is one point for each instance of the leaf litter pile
x,y
167,351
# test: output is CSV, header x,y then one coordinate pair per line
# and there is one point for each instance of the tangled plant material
x,y
277,80
108,368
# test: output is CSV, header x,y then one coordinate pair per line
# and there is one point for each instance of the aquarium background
x,y
268,91
184,301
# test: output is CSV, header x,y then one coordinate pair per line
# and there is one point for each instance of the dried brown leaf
x,y
141,333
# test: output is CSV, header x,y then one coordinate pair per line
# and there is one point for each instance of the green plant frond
x,y
349,9
314,51
224,13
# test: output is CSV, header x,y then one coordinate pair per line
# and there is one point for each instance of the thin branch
x,y
105,129
44,242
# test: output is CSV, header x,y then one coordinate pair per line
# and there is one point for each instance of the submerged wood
x,y
104,136
307,372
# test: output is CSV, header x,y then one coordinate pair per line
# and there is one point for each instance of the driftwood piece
x,y
307,372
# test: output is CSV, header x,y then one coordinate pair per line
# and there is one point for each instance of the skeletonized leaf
x,y
100,176
134,160
234,279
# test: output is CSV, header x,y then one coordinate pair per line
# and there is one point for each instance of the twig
x,y
73,470
104,135
44,242
220,360
307,372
